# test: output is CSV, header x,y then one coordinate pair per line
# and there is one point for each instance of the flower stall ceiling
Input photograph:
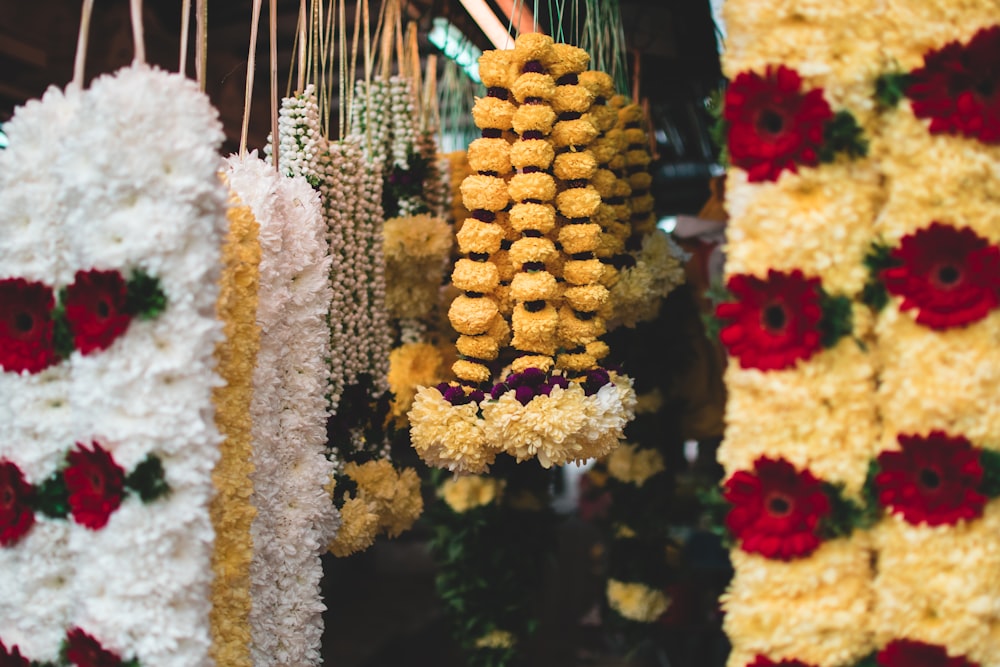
x,y
674,40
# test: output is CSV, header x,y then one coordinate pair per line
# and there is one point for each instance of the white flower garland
x,y
295,518
121,176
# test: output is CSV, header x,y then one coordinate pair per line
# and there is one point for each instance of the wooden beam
x,y
22,52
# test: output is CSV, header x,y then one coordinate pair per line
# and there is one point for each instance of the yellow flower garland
x,y
636,601
231,510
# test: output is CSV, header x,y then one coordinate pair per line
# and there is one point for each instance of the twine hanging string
x,y
80,61
135,9
185,24
201,36
273,30
251,68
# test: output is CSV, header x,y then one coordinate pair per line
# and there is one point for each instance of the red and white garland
x,y
97,187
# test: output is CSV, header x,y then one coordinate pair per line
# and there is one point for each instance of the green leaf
x,y
878,259
990,460
716,508
837,320
843,135
147,479
890,89
52,497
869,660
870,493
845,514
144,296
62,334
719,131
716,294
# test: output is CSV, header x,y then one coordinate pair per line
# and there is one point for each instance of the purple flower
x,y
596,379
524,394
499,390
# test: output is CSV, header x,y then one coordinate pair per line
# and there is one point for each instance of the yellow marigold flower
x,y
412,365
541,217
231,510
496,639
466,492
478,236
358,528
489,154
636,601
634,465
536,185
484,192
472,315
531,153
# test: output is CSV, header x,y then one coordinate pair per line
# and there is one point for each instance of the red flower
x,y
950,276
16,515
776,509
774,126
25,326
775,322
96,309
958,88
763,661
932,480
12,658
909,653
85,651
95,484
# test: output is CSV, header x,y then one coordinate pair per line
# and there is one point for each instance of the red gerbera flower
x,y
773,125
25,326
958,88
16,515
910,653
95,484
776,509
83,650
950,276
12,658
96,309
764,661
932,480
774,322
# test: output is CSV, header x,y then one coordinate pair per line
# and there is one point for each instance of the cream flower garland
x,y
81,169
816,416
937,584
295,518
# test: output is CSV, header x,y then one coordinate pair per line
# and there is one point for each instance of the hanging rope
x,y
80,61
185,24
201,35
251,68
273,30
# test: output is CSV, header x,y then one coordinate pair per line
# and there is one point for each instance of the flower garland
x,y
232,511
131,583
416,251
934,285
295,519
447,428
803,193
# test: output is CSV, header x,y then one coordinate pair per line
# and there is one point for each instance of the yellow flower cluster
x,y
639,290
449,436
231,510
416,249
636,601
412,365
465,492
496,639
816,609
818,415
939,584
387,501
634,465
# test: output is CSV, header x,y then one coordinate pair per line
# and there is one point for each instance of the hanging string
x,y
135,9
302,43
201,36
273,30
80,61
185,24
251,68
342,79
